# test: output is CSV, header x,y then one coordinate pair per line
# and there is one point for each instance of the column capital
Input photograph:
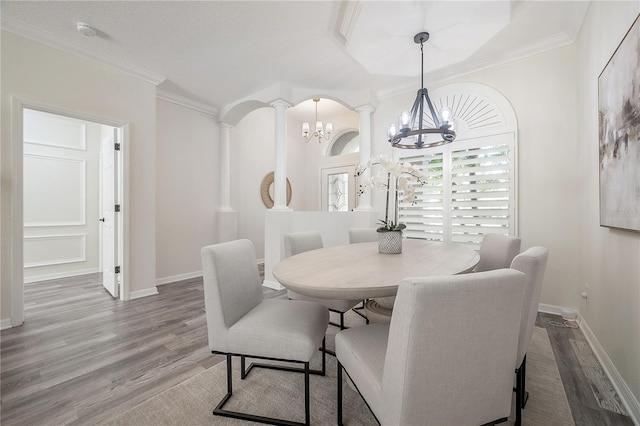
x,y
365,108
280,103
224,125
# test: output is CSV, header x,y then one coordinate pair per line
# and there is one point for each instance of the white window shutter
x,y
471,185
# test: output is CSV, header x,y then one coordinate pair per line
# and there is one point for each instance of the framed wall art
x,y
619,134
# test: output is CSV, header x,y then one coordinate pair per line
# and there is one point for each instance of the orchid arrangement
x,y
401,178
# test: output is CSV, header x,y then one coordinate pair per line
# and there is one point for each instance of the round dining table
x,y
359,271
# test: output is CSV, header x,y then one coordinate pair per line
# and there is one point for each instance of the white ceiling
x,y
216,52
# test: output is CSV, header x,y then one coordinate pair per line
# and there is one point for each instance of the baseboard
x,y
550,309
5,323
180,277
628,398
272,284
143,293
57,275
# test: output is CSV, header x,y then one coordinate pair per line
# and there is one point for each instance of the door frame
x,y
18,105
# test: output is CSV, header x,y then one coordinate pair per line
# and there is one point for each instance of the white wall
x,y
608,259
187,189
41,74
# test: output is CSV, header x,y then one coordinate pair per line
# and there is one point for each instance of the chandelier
x,y
321,131
420,127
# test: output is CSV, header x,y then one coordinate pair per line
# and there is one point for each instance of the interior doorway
x,y
72,187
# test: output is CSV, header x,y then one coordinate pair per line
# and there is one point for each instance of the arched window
x,y
472,182
346,142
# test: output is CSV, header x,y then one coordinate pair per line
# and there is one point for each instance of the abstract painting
x,y
619,134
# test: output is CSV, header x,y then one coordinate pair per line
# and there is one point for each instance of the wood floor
x,y
82,357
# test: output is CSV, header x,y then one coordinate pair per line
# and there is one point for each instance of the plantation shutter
x,y
425,218
470,191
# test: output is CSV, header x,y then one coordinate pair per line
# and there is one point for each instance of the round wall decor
x,y
267,181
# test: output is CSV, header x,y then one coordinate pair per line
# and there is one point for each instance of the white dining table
x,y
359,271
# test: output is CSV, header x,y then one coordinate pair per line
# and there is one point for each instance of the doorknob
x,y
101,219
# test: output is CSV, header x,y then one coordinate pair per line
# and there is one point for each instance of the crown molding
x,y
50,40
349,18
186,102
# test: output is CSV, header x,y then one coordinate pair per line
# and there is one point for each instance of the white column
x,y
280,171
224,163
364,200
226,216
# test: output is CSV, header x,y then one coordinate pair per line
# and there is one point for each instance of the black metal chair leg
x,y
339,396
307,411
220,411
524,393
519,397
243,371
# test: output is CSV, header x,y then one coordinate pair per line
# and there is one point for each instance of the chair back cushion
x,y
532,263
299,242
452,349
362,235
232,287
497,251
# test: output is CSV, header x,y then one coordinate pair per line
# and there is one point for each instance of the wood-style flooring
x,y
82,356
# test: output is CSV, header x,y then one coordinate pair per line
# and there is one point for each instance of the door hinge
x,y
117,208
117,146
117,269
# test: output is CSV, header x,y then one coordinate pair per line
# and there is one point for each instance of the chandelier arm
x,y
436,120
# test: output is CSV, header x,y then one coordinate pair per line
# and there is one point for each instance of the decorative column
x,y
225,168
280,171
364,200
226,216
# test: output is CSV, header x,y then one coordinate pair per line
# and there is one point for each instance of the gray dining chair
x,y
300,242
362,235
240,322
448,356
497,251
532,263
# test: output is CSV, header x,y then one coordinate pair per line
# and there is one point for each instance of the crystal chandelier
x,y
420,127
321,131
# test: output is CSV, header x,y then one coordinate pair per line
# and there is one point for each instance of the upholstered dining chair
x,y
447,357
497,251
240,322
532,262
362,235
300,242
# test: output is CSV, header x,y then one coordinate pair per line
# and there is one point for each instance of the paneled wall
x,y
61,188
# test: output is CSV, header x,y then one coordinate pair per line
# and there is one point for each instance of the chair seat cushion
x,y
361,351
337,305
280,329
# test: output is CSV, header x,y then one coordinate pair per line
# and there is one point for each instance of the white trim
x,y
5,324
81,258
628,399
272,284
550,309
186,102
57,275
83,131
47,39
143,293
179,277
83,191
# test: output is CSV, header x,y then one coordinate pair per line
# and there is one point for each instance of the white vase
x,y
390,242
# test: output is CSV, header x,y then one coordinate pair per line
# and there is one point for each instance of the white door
x,y
338,189
109,188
